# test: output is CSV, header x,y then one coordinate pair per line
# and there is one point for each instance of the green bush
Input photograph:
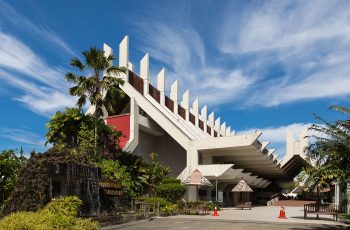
x,y
58,214
205,204
68,205
162,202
171,192
171,180
169,209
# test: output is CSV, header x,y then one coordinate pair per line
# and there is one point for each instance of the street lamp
x,y
216,188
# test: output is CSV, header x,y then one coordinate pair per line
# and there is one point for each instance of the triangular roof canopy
x,y
242,186
196,178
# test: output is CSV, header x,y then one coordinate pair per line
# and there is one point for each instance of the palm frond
x,y
340,109
75,62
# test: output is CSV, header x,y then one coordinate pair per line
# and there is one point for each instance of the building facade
x,y
187,137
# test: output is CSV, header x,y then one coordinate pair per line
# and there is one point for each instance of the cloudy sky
x,y
266,65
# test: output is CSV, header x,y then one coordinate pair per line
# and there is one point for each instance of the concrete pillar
x,y
174,89
124,56
211,122
303,142
217,125
108,51
186,103
161,85
195,107
130,66
228,131
290,143
144,73
337,195
192,193
204,117
223,129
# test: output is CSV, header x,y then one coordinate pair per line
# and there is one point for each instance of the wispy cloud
x,y
43,87
22,136
8,13
184,55
278,135
309,41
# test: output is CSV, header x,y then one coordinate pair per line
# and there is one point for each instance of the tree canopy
x,y
10,164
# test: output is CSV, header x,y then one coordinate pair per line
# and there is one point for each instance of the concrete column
x,y
217,125
204,117
124,56
186,103
107,51
174,89
228,131
303,142
161,85
130,66
290,143
337,195
192,193
192,163
211,122
195,107
144,73
223,129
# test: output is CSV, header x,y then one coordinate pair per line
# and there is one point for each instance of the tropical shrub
x,y
67,205
162,202
59,214
10,165
169,209
170,189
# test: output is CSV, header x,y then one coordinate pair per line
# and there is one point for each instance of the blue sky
x,y
264,65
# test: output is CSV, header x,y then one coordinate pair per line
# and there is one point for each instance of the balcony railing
x,y
136,82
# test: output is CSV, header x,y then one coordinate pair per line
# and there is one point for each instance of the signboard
x,y
220,196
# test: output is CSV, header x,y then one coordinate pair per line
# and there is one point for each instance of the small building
x,y
187,137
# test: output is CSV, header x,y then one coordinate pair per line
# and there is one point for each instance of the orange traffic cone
x,y
282,213
216,213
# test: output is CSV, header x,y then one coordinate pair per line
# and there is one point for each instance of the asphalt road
x,y
178,223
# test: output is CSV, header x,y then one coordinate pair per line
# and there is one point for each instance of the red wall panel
x,y
121,123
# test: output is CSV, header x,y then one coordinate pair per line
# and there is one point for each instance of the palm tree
x,y
95,82
333,144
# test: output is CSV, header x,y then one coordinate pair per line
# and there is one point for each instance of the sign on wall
x,y
220,196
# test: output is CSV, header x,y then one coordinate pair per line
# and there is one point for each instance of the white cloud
x,y
44,89
182,51
308,40
278,135
8,13
22,136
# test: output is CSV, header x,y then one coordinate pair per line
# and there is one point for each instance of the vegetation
x,y
58,214
99,86
162,202
73,129
81,140
171,189
10,165
330,153
154,173
30,191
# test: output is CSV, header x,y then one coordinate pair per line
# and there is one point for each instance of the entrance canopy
x,y
224,173
196,178
242,186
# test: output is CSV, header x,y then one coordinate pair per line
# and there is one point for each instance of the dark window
x,y
56,189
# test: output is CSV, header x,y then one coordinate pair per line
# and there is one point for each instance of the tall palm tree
x,y
95,81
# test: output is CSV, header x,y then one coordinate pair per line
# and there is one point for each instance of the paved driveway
x,y
266,213
206,224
